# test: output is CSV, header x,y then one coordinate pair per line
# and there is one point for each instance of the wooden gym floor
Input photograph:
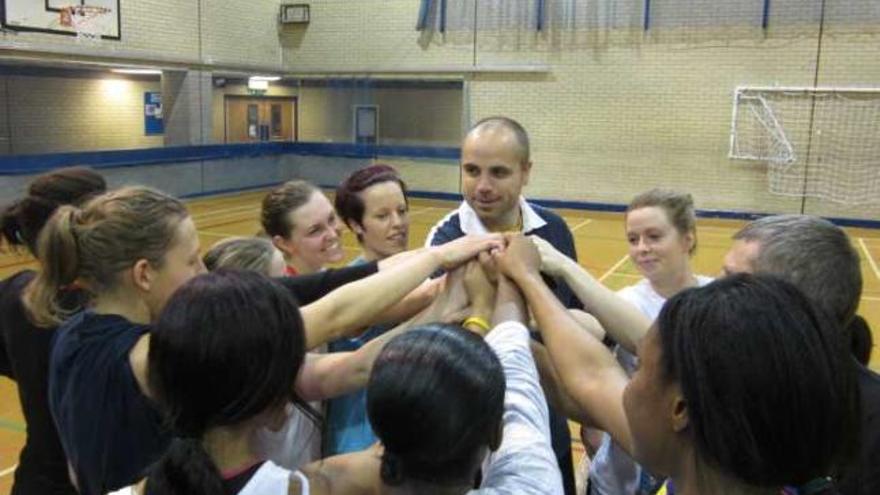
x,y
600,244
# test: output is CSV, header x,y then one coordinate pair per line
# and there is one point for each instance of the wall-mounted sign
x,y
153,113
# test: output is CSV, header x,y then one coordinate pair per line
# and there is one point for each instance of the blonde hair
x,y
241,253
678,207
93,244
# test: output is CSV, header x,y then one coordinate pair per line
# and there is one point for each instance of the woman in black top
x,y
24,348
131,249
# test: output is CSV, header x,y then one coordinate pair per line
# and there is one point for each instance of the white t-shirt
x,y
272,479
525,463
613,471
296,444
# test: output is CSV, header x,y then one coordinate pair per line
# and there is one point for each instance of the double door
x,y
252,119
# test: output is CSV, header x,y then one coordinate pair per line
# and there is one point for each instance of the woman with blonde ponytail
x,y
24,347
131,250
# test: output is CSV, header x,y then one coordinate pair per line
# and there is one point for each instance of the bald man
x,y
495,166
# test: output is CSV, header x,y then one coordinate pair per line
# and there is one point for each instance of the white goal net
x,y
817,142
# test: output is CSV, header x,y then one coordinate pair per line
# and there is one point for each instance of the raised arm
x,y
524,463
623,321
587,370
361,303
325,376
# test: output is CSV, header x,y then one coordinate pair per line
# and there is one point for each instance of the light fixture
x,y
258,84
115,89
142,72
265,78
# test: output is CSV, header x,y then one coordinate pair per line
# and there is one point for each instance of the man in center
x,y
495,165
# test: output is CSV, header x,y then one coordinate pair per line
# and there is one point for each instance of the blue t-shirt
x,y
111,432
348,428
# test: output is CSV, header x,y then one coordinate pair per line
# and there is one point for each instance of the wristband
x,y
478,322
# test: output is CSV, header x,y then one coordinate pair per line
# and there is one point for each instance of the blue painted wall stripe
x,y
34,164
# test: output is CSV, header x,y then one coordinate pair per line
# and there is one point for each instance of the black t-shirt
x,y
42,467
309,288
110,431
864,479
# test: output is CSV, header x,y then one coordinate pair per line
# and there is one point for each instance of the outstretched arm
x,y
587,370
524,462
360,304
623,321
325,376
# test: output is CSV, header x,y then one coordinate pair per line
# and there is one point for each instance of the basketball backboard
x,y
45,16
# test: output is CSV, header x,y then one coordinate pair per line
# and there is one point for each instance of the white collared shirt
x,y
471,223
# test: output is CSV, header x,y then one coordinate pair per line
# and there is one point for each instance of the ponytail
x,y
58,251
10,226
186,468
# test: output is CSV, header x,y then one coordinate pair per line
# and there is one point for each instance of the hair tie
x,y
391,470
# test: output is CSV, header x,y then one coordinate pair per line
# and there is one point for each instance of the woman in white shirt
x,y
662,238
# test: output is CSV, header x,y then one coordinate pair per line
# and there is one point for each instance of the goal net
x,y
817,142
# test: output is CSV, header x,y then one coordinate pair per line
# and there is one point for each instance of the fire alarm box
x,y
294,13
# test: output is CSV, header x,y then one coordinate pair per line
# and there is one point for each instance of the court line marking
x,y
226,210
585,222
10,425
426,209
871,298
8,470
870,258
219,234
614,268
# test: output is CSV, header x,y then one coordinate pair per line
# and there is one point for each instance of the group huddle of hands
x,y
476,264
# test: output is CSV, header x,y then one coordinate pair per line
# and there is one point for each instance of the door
x,y
366,124
254,119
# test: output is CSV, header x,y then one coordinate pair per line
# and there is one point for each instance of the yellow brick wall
x,y
407,116
619,110
54,114
374,34
208,31
241,33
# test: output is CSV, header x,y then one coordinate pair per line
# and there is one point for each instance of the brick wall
x,y
618,110
50,114
621,110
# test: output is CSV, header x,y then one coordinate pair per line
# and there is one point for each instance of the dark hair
x,y
861,340
93,244
21,221
770,387
435,398
813,254
510,125
678,208
227,347
348,202
242,253
278,204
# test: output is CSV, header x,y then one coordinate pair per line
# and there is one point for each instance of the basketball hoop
x,y
88,21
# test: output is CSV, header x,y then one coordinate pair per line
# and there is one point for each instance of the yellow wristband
x,y
477,321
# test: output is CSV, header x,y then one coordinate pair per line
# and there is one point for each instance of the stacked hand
x,y
552,261
463,249
519,259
